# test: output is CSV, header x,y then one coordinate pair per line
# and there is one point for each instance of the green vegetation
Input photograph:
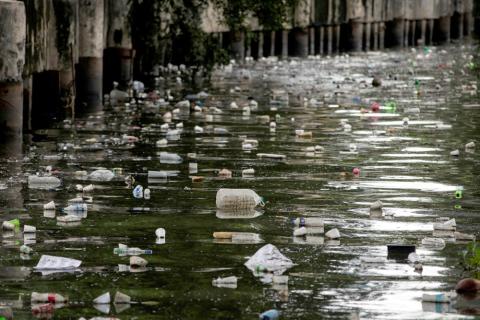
x,y
471,259
168,31
271,14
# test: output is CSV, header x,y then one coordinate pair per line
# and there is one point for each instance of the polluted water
x,y
291,189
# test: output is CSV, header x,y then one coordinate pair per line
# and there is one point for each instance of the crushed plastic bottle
x,y
138,192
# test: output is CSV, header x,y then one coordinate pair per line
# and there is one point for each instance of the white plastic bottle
x,y
48,297
237,199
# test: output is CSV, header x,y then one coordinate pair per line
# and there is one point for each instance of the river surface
x,y
405,163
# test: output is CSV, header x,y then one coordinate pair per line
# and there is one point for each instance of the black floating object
x,y
399,251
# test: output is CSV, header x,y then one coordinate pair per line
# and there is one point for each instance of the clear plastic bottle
x,y
76,207
237,199
131,251
308,222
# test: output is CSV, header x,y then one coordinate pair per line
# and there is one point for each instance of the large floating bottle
x,y
237,199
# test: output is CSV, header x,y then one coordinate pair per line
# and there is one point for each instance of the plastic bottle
x,y
131,251
146,193
192,167
48,297
167,157
308,222
138,192
235,199
25,249
76,207
270,315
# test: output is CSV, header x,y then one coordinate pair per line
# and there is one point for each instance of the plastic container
x,y
237,199
138,262
102,299
160,233
121,298
29,229
146,193
48,297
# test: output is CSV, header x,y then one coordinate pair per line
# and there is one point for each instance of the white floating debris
x,y
49,206
102,299
101,175
436,243
271,156
333,234
447,225
269,258
48,262
227,282
439,297
455,153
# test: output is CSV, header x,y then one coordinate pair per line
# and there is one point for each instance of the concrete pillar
x,y
284,43
337,38
66,12
12,59
406,34
90,62
27,102
397,32
430,31
321,40
375,35
381,36
311,38
413,28
272,43
260,45
444,29
329,39
248,45
118,55
368,28
220,39
238,45
423,31
300,45
356,28
468,23
460,27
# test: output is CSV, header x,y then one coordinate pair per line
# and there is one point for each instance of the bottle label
x,y
51,298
